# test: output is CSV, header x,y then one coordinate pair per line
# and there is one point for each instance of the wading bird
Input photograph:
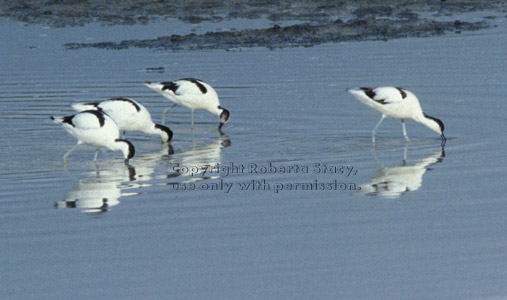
x,y
192,94
129,115
97,129
396,103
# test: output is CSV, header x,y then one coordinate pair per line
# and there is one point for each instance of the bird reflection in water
x,y
100,191
191,165
392,182
102,188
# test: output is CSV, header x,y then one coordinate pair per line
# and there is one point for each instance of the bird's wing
x,y
385,95
84,106
189,86
121,104
89,119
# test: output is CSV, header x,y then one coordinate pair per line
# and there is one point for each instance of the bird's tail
x,y
84,106
360,94
156,86
63,120
355,91
57,119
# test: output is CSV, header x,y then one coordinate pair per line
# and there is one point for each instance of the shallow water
x,y
427,223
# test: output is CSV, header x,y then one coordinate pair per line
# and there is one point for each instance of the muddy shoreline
x,y
317,21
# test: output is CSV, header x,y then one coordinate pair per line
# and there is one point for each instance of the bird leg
x,y
68,152
374,132
405,155
193,120
404,130
165,112
96,155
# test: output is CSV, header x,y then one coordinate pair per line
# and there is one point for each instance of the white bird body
x,y
95,128
389,101
396,103
129,115
193,94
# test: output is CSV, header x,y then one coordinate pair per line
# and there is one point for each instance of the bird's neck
x,y
215,110
428,122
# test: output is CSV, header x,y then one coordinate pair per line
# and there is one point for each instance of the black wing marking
x,y
68,120
198,83
127,100
371,94
169,85
402,92
173,86
383,101
98,114
96,104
